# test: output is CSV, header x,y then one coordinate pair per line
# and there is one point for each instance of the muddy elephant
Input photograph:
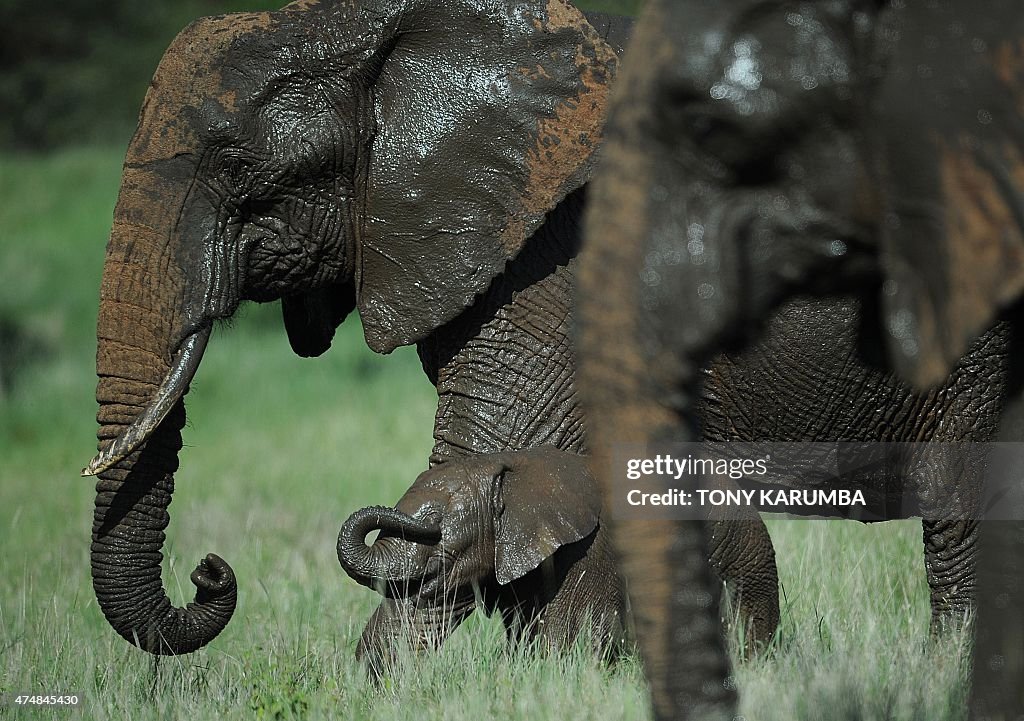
x,y
517,534
418,162
757,151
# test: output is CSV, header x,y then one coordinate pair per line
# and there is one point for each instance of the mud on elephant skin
x,y
385,157
517,534
849,149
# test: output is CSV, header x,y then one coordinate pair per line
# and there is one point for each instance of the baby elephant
x,y
516,532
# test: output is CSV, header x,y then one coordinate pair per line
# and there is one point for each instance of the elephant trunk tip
x,y
214,579
170,631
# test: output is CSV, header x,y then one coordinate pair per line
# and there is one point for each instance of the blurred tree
x,y
76,72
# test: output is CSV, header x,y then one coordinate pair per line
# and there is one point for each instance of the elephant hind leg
x,y
743,556
950,560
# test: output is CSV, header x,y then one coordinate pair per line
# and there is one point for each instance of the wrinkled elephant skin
x,y
390,158
756,152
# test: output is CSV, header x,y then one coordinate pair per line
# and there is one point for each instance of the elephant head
x,y
464,531
388,157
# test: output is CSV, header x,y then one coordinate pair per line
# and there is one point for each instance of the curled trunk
x,y
147,351
393,557
128,534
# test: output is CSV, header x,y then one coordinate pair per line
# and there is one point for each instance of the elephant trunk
x,y
389,558
147,352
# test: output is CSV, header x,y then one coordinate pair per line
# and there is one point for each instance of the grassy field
x,y
279,451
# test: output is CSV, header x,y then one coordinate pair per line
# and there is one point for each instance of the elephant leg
x,y
401,626
948,482
526,623
997,693
743,556
950,561
576,592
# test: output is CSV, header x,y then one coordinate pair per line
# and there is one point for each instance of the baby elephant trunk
x,y
396,554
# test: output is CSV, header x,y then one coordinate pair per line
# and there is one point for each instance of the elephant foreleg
x,y
743,556
948,492
402,626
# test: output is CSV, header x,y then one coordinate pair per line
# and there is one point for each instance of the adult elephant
x,y
759,150
419,162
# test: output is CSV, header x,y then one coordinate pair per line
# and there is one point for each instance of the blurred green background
x,y
280,449
75,72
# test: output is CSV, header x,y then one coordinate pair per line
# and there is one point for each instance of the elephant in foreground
x,y
517,534
418,162
757,151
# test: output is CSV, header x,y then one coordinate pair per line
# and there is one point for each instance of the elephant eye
x,y
739,151
715,135
434,568
251,207
235,170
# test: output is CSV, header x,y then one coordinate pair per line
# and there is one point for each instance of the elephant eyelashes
x,y
235,170
231,177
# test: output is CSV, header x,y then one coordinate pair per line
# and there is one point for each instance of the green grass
x,y
279,451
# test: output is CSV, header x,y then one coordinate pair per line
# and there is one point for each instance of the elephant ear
x,y
951,122
546,499
487,115
312,317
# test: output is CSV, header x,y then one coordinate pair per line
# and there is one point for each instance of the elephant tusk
x,y
173,387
